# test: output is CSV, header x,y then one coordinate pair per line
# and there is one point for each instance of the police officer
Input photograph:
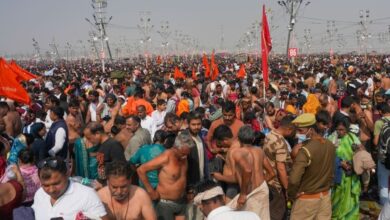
x,y
312,172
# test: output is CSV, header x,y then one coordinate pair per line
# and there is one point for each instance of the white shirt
x,y
226,213
60,137
158,118
77,198
149,124
385,213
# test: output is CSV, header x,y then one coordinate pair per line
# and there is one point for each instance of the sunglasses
x,y
52,163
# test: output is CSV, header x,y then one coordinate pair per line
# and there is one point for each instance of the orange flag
x,y
241,72
178,74
9,86
206,66
214,67
158,61
22,74
194,77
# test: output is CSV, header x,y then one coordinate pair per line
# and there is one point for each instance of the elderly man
x,y
60,198
122,199
172,166
140,136
312,172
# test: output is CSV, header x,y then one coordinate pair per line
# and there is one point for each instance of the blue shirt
x,y
145,154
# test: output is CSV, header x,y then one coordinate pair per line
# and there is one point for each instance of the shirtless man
x,y
328,104
122,200
12,119
172,166
124,135
246,163
74,121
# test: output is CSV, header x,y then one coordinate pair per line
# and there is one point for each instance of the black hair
x,y
222,132
119,120
259,138
323,116
53,99
134,118
118,168
26,156
246,135
95,127
57,110
58,165
159,136
193,116
170,90
74,103
384,108
286,121
4,105
170,138
347,101
171,117
161,102
206,123
229,106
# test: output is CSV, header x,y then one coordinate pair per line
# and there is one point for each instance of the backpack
x,y
384,143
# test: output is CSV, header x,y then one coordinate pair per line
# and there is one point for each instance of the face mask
x,y
301,138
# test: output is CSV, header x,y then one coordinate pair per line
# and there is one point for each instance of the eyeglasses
x,y
52,163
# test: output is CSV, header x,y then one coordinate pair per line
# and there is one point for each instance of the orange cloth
x,y
131,107
9,86
241,73
291,109
178,74
206,66
312,104
183,106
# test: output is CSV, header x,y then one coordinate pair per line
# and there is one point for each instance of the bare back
x,y
172,177
13,123
123,137
254,158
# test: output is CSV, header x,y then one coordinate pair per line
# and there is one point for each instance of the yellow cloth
x,y
312,104
291,109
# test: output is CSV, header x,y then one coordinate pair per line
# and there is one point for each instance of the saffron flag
x,y
241,72
206,66
194,77
266,47
21,74
158,61
214,67
178,74
9,86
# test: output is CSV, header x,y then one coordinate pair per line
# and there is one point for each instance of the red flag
x,y
9,86
266,47
194,77
214,67
241,72
178,74
22,74
206,66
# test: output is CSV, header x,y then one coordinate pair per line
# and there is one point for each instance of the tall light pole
x,y
292,8
37,49
331,32
145,28
308,38
164,33
364,30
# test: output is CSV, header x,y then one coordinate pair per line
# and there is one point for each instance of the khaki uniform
x,y
276,150
311,177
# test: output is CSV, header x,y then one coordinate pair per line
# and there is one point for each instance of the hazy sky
x,y
21,20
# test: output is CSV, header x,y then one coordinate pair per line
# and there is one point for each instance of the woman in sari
x,y
346,190
85,158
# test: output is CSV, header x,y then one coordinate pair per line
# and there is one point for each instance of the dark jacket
x,y
193,174
50,138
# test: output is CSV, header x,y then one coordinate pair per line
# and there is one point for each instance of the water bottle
x,y
84,181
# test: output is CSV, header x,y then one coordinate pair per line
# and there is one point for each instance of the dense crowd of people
x,y
146,144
